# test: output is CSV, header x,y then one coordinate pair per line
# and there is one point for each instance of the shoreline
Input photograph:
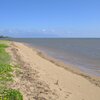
x,y
69,67
43,78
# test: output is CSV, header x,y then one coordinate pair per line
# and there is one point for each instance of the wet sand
x,y
42,78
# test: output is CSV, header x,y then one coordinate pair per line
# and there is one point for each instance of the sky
x,y
50,18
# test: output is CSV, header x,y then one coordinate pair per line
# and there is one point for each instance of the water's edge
x,y
93,79
84,54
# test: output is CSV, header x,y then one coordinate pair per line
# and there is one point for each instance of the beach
x,y
83,54
40,78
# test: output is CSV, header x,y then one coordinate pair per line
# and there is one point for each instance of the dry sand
x,y
41,79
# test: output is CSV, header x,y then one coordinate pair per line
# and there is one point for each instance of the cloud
x,y
44,33
34,33
28,33
44,30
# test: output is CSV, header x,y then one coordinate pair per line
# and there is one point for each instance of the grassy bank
x,y
6,76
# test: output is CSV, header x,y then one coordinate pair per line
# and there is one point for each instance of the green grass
x,y
6,75
4,42
4,56
11,94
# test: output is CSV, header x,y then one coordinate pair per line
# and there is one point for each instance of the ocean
x,y
83,53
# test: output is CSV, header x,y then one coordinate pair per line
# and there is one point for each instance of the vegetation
x,y
4,56
5,73
11,94
6,76
3,36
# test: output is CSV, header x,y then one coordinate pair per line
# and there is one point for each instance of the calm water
x,y
84,53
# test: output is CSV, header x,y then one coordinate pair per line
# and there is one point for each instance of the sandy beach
x,y
39,78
